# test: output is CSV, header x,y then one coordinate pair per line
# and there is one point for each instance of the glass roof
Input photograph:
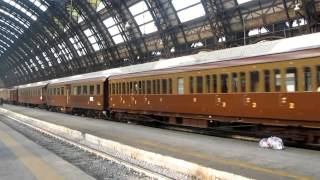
x,y
122,30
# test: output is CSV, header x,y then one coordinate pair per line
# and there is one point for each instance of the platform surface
x,y
236,156
23,159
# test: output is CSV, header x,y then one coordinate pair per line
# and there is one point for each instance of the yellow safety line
x,y
227,161
36,165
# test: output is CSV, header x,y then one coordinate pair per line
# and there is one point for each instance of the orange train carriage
x,y
78,95
9,95
272,83
276,89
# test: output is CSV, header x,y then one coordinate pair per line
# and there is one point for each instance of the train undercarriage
x,y
232,127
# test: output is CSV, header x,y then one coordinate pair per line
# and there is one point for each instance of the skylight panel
x,y
3,47
64,51
188,10
181,4
47,59
113,29
15,18
109,22
80,19
58,59
92,39
17,6
78,46
118,39
138,8
243,1
87,32
41,6
4,43
8,39
148,28
19,30
143,17
100,7
8,31
187,15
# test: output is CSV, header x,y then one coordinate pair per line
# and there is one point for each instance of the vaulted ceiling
x,y
47,39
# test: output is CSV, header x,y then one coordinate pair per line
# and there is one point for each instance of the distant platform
x,y
235,156
22,159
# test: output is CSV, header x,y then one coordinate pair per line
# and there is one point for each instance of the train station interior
x,y
159,89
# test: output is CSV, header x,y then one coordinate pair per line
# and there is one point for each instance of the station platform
x,y
239,157
23,159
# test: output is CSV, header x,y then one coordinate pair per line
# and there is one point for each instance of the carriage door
x,y
68,91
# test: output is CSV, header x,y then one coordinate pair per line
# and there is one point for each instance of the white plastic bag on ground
x,y
275,143
272,142
264,143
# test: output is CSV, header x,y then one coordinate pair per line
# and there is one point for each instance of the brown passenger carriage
x,y
277,89
83,95
9,95
5,94
33,94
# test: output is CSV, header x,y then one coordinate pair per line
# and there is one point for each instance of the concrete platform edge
x,y
105,145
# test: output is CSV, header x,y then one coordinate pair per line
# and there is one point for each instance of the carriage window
x,y
55,91
164,86
291,80
215,84
143,87
131,88
84,90
113,88
267,87
181,85
158,86
74,90
243,82
208,83
91,90
79,90
191,85
117,88
148,87
254,79
140,87
58,91
199,84
123,88
224,83
234,82
307,79
277,80
62,91
154,86
170,86
135,87
128,87
98,89
318,78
